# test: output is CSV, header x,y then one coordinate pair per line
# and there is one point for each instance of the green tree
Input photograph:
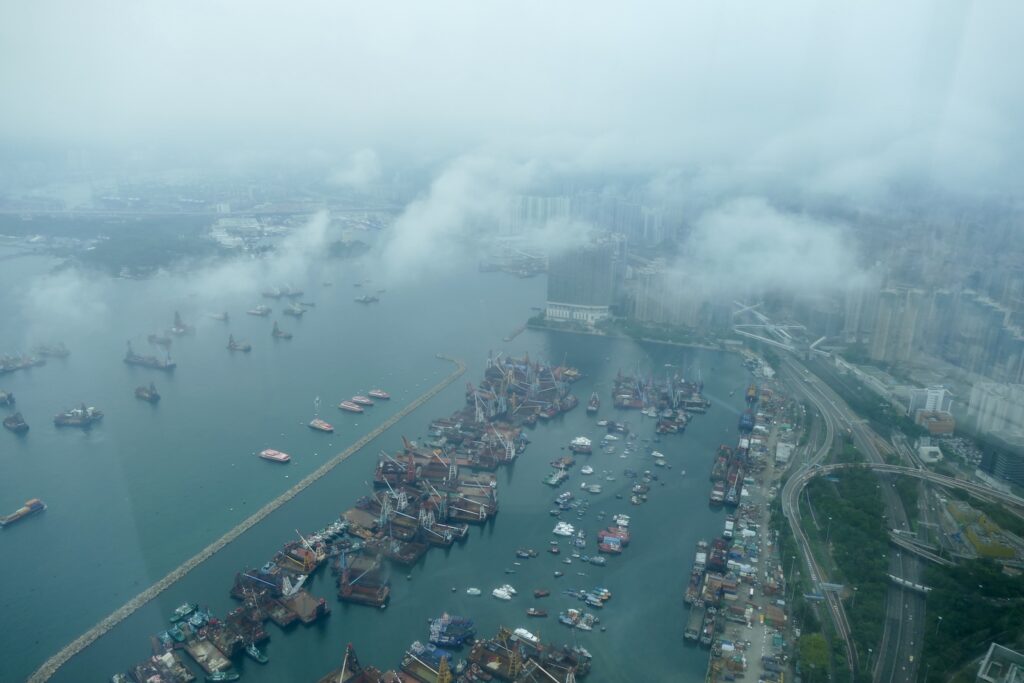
x,y
814,657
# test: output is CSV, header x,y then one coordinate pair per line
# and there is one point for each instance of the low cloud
x,y
362,169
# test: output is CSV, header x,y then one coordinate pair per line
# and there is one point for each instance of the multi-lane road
x,y
896,657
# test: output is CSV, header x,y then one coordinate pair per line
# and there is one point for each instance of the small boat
x,y
362,401
255,653
183,611
278,333
350,407
586,469
223,317
534,612
261,310
558,574
233,345
541,593
316,423
472,591
16,423
275,456
523,634
222,676
379,393
501,594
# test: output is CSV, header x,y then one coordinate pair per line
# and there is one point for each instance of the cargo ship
x,y
149,393
31,507
261,311
594,403
350,407
57,350
16,423
362,401
316,423
275,456
244,347
6,398
278,333
78,417
580,444
132,358
379,393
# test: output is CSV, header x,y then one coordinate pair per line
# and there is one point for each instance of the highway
x,y
896,658
791,510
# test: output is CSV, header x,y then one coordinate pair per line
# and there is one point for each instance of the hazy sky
x,y
832,95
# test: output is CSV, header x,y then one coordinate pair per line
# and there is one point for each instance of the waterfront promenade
x,y
50,667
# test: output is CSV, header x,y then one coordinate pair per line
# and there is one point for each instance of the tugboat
x,y
149,393
278,333
593,404
362,401
316,422
350,407
7,398
16,423
261,310
132,358
244,347
379,393
159,340
275,456
78,417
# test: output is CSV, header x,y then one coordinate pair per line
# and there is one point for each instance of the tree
x,y
814,657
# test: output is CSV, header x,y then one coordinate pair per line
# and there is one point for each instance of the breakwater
x,y
50,667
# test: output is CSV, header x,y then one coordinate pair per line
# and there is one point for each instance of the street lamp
x,y
938,624
828,531
854,601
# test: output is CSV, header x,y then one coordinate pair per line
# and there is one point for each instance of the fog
x,y
732,117
820,95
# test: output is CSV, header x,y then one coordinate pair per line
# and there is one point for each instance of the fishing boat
x,y
275,456
350,407
316,423
255,653
534,612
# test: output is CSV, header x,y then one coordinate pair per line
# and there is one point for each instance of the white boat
x,y
523,634
509,589
602,423
564,529
472,591
501,594
594,488
587,469
657,454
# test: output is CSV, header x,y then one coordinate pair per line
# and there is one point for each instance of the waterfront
x,y
149,487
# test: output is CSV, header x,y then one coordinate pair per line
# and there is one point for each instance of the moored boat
x,y
275,456
379,393
233,345
534,612
16,423
362,401
149,393
350,407
182,611
78,417
316,423
256,654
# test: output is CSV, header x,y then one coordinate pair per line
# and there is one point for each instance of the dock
x,y
50,667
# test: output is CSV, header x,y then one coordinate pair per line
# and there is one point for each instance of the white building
x,y
937,399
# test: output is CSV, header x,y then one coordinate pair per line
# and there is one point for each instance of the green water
x,y
151,485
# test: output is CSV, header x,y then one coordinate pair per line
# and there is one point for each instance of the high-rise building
x,y
997,407
1002,457
581,282
896,325
933,399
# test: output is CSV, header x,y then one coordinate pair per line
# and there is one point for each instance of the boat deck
x,y
207,656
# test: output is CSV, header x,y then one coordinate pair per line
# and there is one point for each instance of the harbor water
x,y
151,485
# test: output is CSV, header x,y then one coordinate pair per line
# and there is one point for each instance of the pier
x,y
50,667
